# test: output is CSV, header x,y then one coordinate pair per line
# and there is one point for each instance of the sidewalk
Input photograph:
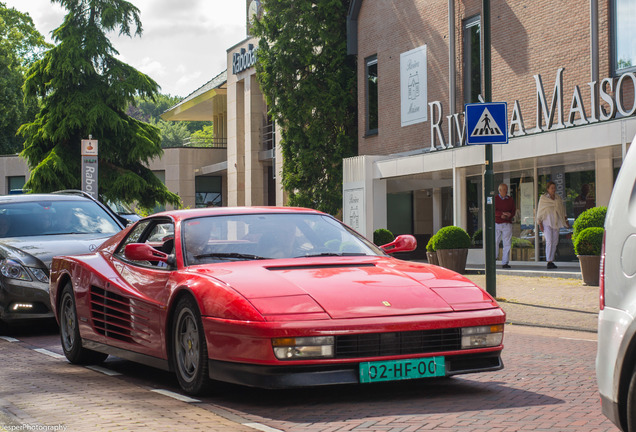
x,y
531,295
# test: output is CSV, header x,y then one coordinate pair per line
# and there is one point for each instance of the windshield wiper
x,y
324,254
230,255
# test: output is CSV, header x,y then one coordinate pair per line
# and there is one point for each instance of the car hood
x,y
353,287
32,250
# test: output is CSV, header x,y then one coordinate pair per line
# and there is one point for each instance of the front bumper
x,y
278,377
15,292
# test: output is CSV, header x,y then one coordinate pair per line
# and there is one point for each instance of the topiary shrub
x,y
429,245
382,236
594,217
451,237
589,241
478,237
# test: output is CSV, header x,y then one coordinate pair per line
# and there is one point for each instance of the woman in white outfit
x,y
551,216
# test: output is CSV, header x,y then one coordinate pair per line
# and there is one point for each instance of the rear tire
x,y
189,349
69,332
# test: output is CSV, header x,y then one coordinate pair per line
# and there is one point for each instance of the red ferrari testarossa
x,y
273,298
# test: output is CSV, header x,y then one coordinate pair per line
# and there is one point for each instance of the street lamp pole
x,y
489,187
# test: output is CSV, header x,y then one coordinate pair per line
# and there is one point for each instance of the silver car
x,y
616,356
33,229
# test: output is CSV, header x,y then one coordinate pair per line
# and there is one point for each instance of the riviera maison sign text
x,y
605,103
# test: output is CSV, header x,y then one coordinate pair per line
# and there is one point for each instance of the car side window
x,y
158,234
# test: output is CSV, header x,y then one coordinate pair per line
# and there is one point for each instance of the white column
x,y
460,212
604,176
363,197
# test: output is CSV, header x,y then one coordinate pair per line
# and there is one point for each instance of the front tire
x,y
631,403
69,332
189,349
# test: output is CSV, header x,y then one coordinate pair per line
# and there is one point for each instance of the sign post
x,y
89,167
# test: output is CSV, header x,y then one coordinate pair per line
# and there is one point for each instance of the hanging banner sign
x,y
89,167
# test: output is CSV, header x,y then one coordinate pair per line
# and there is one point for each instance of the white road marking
x,y
103,370
9,339
261,427
175,395
578,339
49,353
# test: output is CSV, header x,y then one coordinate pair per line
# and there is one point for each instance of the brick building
x,y
564,68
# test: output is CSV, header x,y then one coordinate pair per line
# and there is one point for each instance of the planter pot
x,y
453,259
590,267
432,258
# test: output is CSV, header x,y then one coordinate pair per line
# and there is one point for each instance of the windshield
x,y
270,236
35,218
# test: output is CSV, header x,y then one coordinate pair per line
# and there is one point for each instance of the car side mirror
x,y
402,243
144,252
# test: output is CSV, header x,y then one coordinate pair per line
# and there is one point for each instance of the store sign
x,y
413,90
244,59
607,99
353,210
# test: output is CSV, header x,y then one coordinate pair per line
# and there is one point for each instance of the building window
x,y
472,59
15,184
372,95
208,191
624,36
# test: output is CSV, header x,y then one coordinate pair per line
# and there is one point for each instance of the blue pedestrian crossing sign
x,y
486,123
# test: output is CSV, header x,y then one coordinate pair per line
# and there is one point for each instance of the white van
x,y
616,354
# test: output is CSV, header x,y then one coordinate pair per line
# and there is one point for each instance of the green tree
x,y
85,89
309,84
150,110
20,46
173,134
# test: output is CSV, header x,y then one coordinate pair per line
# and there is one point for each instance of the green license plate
x,y
394,370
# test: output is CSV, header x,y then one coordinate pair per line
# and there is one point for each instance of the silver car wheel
x,y
68,321
187,344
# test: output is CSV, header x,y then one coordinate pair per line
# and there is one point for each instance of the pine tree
x,y
84,91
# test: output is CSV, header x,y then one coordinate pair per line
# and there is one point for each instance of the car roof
x,y
225,211
41,197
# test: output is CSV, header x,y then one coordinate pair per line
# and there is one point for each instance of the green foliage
x,y
382,236
20,45
478,236
310,86
451,237
173,134
589,241
85,90
521,243
430,246
594,217
203,137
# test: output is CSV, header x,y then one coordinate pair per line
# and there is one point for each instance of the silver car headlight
x,y
301,348
14,270
39,274
482,336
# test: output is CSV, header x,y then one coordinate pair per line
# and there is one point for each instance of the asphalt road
x,y
548,383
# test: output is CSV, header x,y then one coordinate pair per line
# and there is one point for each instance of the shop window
x,y
472,59
15,184
208,191
400,212
624,36
372,95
